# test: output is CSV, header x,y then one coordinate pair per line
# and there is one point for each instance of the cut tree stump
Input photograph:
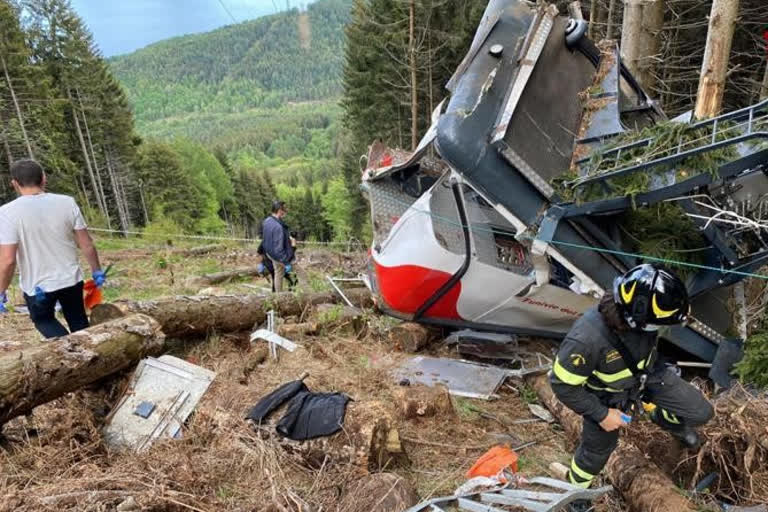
x,y
368,440
643,485
198,315
340,318
381,492
423,402
43,372
411,337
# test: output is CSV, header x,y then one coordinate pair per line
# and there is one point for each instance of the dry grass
x,y
735,447
57,459
222,463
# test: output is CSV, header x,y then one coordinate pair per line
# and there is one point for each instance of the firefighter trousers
x,y
679,405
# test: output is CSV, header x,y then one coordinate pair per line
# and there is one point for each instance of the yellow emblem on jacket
x,y
578,359
612,356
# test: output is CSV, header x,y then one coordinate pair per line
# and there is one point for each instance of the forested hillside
x,y
394,77
61,104
263,95
292,56
282,105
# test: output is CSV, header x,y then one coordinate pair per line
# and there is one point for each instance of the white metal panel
x,y
173,386
546,307
485,287
412,242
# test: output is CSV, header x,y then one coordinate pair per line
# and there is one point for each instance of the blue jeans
x,y
43,313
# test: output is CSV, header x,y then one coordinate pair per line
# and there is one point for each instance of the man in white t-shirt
x,y
42,232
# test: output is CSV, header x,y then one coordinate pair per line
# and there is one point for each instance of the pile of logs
x,y
127,331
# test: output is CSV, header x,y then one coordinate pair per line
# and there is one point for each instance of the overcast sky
x,y
121,26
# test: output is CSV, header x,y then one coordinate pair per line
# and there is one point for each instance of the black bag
x,y
312,415
274,400
309,415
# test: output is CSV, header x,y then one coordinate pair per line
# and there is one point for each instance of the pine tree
x,y
97,134
29,114
169,190
397,51
269,186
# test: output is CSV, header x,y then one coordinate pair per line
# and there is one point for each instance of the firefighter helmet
x,y
649,296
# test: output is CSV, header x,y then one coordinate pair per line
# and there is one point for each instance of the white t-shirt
x,y
44,227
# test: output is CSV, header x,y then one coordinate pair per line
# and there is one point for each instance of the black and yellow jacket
x,y
589,374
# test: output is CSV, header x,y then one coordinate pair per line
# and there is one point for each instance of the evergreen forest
x,y
198,133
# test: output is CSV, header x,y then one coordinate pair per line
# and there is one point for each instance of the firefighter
x,y
607,366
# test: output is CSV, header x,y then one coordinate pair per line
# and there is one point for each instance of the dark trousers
x,y
678,405
43,312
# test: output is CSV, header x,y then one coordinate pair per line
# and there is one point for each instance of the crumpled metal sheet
x,y
462,378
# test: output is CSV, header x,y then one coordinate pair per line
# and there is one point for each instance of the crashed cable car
x,y
469,232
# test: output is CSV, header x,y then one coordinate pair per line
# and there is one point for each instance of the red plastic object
x,y
406,287
93,296
493,462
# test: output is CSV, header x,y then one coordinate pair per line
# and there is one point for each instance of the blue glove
x,y
261,268
39,294
288,268
3,302
626,418
99,278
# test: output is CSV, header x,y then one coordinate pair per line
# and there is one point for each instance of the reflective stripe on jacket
x,y
587,366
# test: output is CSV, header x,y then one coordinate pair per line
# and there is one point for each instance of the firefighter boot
x,y
669,422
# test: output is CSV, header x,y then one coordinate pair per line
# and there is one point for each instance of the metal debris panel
x,y
272,337
162,394
462,378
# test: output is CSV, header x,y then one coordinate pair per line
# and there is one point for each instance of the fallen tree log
x,y
227,275
199,251
200,315
340,318
295,330
643,485
43,372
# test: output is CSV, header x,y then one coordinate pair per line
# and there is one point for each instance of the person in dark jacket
x,y
278,244
266,266
607,368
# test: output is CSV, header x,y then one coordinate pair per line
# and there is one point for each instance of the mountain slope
x,y
263,63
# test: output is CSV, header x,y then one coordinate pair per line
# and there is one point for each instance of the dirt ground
x,y
56,459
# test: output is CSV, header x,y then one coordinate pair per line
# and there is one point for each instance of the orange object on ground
x,y
493,462
93,296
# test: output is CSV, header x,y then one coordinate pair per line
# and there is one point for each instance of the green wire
x,y
643,257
